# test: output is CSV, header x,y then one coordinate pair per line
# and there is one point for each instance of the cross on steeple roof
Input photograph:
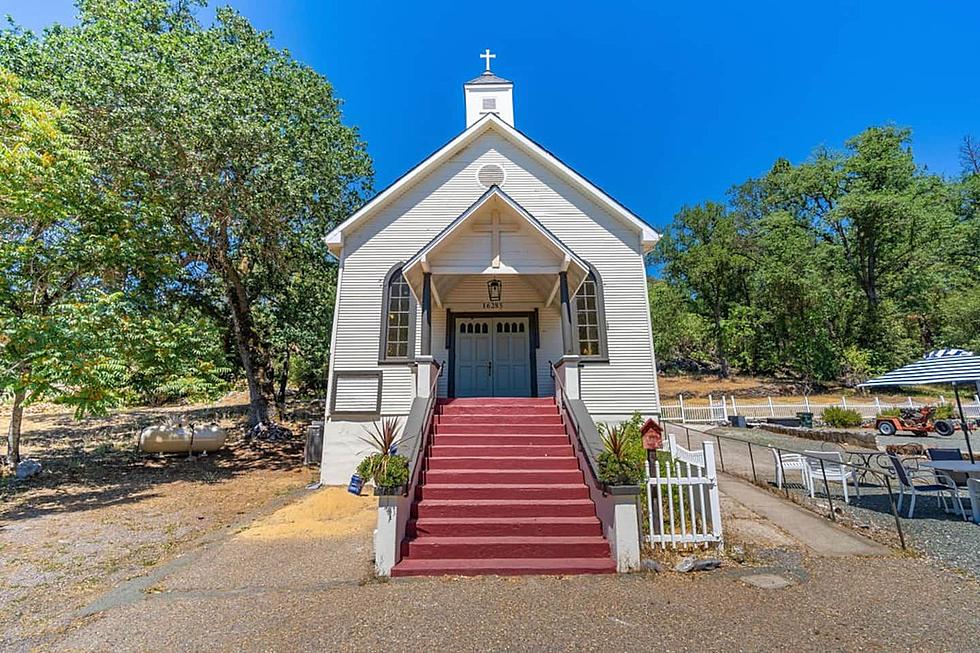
x,y
486,55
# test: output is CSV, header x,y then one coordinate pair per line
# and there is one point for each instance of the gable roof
x,y
649,236
577,268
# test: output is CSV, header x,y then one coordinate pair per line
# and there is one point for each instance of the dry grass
x,y
697,388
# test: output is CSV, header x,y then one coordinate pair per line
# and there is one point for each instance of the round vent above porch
x,y
491,174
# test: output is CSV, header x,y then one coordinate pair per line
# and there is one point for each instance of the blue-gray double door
x,y
493,357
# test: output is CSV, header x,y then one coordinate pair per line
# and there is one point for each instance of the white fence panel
x,y
717,411
683,502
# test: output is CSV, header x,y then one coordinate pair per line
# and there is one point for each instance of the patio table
x,y
971,469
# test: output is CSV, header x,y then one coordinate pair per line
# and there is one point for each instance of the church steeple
x,y
489,94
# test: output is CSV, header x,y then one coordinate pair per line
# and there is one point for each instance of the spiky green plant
x,y
384,467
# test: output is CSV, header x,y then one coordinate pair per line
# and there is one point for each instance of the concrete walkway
x,y
821,536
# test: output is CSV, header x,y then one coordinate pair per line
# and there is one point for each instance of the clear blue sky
x,y
661,104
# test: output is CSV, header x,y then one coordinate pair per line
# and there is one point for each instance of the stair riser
x,y
537,477
516,529
506,419
499,429
601,567
558,451
497,410
422,511
443,492
497,401
506,440
562,463
445,551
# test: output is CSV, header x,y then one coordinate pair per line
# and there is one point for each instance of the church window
x,y
590,328
397,319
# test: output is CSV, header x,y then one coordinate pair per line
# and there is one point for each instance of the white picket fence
x,y
718,410
683,503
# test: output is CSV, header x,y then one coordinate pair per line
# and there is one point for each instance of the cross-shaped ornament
x,y
495,228
486,55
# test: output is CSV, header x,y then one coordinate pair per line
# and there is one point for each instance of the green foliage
x,y
231,157
384,470
839,417
834,269
890,412
623,457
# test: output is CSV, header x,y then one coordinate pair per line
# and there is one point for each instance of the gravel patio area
x,y
944,538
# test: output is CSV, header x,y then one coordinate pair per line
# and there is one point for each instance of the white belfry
x,y
486,55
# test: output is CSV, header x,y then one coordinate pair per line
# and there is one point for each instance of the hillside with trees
x,y
830,270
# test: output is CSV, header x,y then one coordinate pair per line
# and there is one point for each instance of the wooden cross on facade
x,y
495,227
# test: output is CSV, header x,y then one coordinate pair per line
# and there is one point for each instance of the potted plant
x,y
621,461
385,467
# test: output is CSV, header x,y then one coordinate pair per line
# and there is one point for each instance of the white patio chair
x,y
829,465
788,462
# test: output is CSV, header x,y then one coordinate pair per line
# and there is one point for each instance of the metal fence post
x,y
782,471
755,477
721,454
826,487
891,500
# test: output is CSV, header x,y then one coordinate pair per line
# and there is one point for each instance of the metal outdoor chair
x,y
788,462
905,483
829,465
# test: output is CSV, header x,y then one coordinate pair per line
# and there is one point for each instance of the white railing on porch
x,y
682,499
718,410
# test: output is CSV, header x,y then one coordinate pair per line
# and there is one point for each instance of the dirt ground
x,y
100,513
697,388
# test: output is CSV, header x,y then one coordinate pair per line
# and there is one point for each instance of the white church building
x,y
486,282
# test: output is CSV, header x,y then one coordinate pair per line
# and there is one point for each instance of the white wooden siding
x,y
409,221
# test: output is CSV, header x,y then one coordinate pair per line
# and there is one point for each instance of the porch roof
x,y
549,257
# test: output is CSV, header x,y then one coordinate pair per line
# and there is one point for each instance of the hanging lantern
x,y
494,287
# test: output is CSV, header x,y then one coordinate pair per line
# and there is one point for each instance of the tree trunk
x,y
13,429
283,380
256,371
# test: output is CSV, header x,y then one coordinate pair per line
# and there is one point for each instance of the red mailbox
x,y
653,435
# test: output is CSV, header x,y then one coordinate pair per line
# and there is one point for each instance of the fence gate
x,y
682,497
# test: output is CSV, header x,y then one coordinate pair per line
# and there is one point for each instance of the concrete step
x,y
505,418
503,476
502,462
491,508
453,548
495,410
504,526
502,450
496,428
522,491
505,567
493,440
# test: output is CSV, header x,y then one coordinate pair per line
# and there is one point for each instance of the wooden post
x,y
680,398
911,405
843,401
426,347
772,411
806,402
878,405
734,406
566,314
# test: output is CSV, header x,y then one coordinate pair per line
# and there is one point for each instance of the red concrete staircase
x,y
502,493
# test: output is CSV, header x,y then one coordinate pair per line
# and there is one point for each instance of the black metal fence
x,y
865,473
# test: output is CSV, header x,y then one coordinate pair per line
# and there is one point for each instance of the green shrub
x,y
844,418
621,462
385,470
943,411
890,412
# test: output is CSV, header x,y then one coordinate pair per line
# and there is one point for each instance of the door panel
x,y
511,358
474,351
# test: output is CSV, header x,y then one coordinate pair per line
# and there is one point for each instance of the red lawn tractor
x,y
917,421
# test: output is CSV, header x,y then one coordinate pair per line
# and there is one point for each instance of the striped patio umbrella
x,y
956,367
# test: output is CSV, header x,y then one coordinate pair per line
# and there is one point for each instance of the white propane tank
x,y
165,439
208,438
